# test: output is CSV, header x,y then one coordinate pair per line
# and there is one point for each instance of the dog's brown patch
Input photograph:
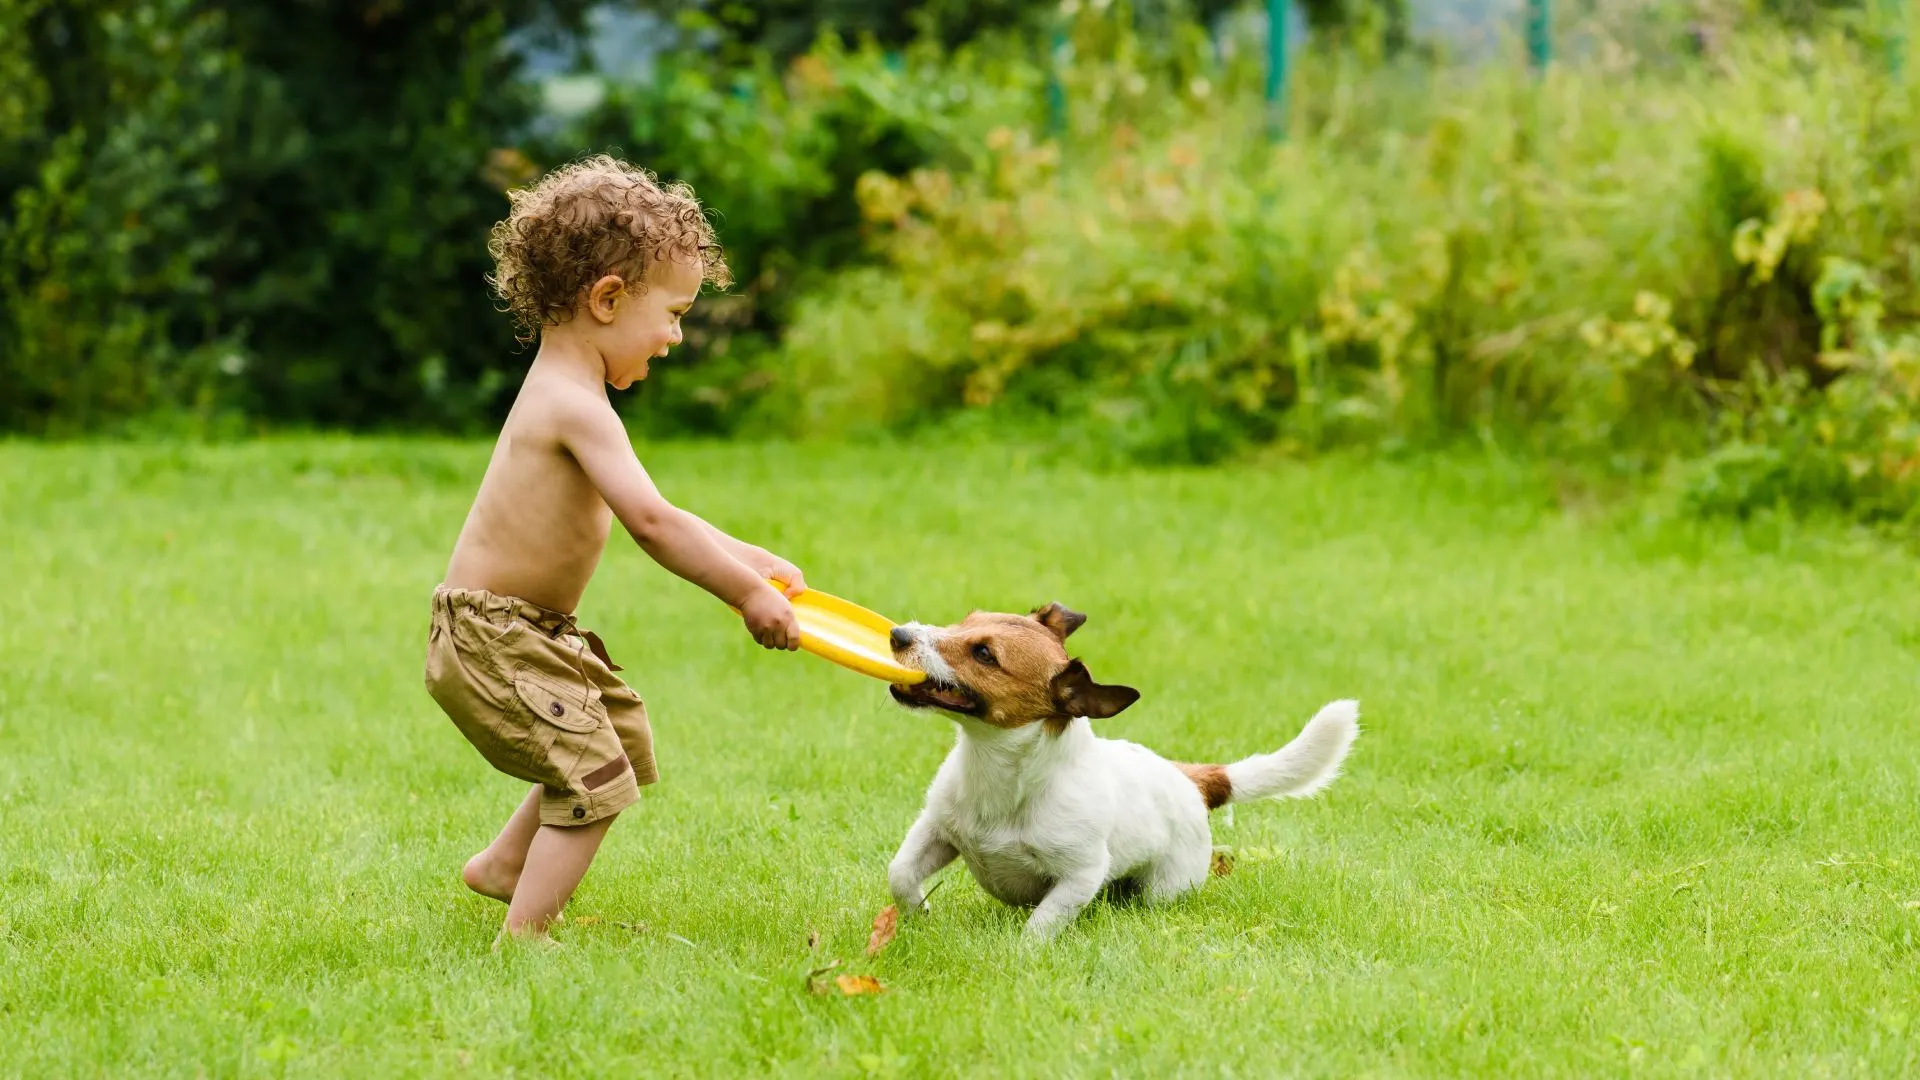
x,y
1007,663
1076,694
1212,781
1015,671
1062,621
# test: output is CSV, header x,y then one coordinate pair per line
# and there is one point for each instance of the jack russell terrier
x,y
1044,812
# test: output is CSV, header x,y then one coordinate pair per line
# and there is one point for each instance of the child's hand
x,y
779,569
770,620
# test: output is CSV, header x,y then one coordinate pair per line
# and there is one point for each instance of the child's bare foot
x,y
525,939
484,875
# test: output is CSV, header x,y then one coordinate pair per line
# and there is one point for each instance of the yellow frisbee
x,y
849,635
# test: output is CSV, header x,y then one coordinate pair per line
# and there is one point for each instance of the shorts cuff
x,y
569,808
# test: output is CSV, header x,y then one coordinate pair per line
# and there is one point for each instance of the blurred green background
x,y
1684,244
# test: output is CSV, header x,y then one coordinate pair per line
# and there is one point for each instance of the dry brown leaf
x,y
813,940
587,920
816,984
884,925
852,985
1222,863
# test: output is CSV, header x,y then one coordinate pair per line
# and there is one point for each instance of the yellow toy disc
x,y
849,635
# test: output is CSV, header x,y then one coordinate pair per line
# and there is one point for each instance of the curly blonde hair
x,y
595,217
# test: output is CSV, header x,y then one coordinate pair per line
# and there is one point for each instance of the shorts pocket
x,y
563,709
492,648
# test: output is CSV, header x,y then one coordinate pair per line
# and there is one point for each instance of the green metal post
x,y
1056,91
1539,33
1896,35
1277,13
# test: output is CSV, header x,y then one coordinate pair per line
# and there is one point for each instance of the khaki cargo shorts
x,y
539,699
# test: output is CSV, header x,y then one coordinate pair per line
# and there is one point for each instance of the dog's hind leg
x,y
921,855
1174,876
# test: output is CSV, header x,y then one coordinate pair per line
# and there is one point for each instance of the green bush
x,y
1650,254
1854,446
1615,264
275,209
110,176
776,153
383,139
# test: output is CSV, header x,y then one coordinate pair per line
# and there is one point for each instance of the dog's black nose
x,y
900,637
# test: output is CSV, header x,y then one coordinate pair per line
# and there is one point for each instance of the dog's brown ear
x,y
1062,621
1076,694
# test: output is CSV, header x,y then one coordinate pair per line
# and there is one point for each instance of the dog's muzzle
x,y
932,695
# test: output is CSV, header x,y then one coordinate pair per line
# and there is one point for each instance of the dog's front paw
x,y
1040,932
911,900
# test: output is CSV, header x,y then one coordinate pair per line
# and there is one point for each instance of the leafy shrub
x,y
198,209
1615,263
110,176
1652,252
1854,446
776,154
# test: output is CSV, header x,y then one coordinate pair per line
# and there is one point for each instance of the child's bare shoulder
x,y
554,406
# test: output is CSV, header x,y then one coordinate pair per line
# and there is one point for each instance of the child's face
x,y
646,324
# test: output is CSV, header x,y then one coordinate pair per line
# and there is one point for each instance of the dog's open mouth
x,y
932,695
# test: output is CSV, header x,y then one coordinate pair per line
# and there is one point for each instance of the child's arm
x,y
674,538
761,561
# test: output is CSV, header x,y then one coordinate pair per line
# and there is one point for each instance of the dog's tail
x,y
1302,767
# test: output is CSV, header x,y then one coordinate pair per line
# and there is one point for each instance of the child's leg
x,y
556,861
495,871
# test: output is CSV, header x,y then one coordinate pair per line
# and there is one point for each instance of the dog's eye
x,y
984,655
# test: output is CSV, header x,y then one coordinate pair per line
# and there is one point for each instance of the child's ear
x,y
603,297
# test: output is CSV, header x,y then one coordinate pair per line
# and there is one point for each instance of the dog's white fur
x,y
1047,819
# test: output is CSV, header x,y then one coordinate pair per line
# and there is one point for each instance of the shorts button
x,y
557,709
579,811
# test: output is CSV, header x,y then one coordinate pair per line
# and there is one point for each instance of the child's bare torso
x,y
538,526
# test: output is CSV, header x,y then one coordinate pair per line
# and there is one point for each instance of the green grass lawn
x,y
1630,798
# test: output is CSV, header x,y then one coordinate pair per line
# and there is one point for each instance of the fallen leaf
x,y
884,925
636,927
815,984
587,920
1222,863
852,985
813,940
